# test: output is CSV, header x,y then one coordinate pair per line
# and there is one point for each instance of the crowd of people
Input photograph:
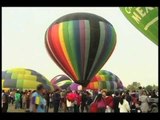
x,y
80,101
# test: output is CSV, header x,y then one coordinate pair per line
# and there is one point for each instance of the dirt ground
x,y
11,108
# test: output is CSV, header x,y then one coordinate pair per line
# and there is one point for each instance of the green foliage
x,y
149,87
135,86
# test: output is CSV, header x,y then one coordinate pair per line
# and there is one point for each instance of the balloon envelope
x,y
105,80
145,19
21,78
62,81
80,44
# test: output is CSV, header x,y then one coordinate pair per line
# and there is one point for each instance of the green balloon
x,y
145,19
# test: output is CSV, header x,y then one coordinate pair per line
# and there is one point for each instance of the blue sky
x,y
135,57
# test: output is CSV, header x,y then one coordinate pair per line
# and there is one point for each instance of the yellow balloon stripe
x,y
5,89
30,84
95,85
2,83
18,70
30,77
14,76
28,72
20,76
64,48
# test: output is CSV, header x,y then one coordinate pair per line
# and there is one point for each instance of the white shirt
x,y
124,107
69,104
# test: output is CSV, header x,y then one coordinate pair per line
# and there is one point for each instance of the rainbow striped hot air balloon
x,y
21,78
80,44
105,80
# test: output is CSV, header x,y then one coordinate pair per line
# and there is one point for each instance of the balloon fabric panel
x,y
8,83
20,84
61,81
62,78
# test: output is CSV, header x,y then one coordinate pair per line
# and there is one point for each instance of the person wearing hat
x,y
38,102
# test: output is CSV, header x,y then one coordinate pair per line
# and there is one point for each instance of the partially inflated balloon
x,y
62,81
22,78
80,44
105,80
102,80
145,19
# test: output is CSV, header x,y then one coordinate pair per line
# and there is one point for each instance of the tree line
x,y
135,86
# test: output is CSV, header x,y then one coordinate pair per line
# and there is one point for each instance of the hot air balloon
x,y
105,80
80,44
62,81
145,19
21,78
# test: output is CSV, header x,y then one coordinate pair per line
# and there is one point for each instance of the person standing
x,y
109,102
101,104
77,102
24,101
144,102
124,106
89,99
17,99
4,102
2,98
128,98
12,97
63,100
116,100
50,100
56,100
28,95
21,103
84,102
46,96
140,90
38,102
134,103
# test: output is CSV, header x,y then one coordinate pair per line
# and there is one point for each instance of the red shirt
x,y
109,101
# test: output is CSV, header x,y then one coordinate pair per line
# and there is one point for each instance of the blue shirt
x,y
39,100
